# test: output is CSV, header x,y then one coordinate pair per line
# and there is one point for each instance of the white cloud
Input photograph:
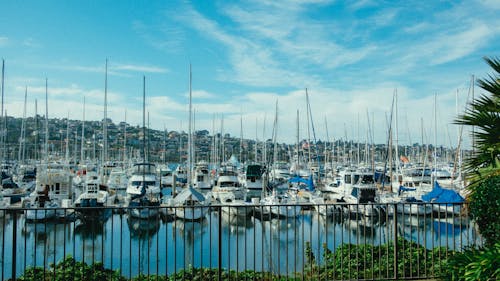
x,y
200,94
4,41
31,43
458,45
139,68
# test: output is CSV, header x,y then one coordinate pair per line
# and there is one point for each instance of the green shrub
x,y
366,261
474,264
70,269
484,208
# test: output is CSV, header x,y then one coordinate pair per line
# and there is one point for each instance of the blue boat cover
x,y
309,182
403,188
441,195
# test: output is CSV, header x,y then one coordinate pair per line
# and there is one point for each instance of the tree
x,y
484,114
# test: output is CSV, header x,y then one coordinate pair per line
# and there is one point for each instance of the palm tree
x,y
483,167
484,114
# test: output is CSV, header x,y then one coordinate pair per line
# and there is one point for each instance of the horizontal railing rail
x,y
385,241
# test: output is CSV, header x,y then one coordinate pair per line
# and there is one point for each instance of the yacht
x,y
227,186
117,182
166,176
53,190
251,178
361,193
201,176
190,204
143,191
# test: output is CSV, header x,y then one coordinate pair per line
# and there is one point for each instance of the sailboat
x,y
143,189
53,185
95,193
190,204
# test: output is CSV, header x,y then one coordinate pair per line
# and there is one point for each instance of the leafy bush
x,y
474,264
484,208
70,269
366,261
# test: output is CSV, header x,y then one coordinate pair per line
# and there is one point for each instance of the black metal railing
x,y
237,242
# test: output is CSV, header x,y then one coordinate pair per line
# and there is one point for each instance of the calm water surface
x,y
165,246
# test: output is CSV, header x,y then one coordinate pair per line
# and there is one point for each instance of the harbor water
x,y
165,245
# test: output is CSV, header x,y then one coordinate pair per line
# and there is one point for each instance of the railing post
x,y
14,242
219,254
395,264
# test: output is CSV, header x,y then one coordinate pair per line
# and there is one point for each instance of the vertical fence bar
x,y
219,250
3,244
14,243
395,262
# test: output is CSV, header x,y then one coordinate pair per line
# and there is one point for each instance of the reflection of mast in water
x,y
46,238
268,246
143,231
190,231
91,233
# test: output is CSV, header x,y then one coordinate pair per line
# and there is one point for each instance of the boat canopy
x,y
309,182
442,195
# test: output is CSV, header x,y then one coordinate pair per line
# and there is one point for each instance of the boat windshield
x,y
147,183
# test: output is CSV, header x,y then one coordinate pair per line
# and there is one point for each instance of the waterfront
x,y
165,246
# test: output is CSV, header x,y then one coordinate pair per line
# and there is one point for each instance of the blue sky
x,y
246,55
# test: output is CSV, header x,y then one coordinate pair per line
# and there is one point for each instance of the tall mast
x,y
2,128
67,139
36,130
22,143
125,138
435,137
144,119
241,137
82,149
308,130
275,134
105,123
147,133
190,147
46,121
397,131
256,142
297,160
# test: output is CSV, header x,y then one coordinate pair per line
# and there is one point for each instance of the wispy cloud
x,y
31,43
116,69
460,44
201,94
4,41
165,36
139,68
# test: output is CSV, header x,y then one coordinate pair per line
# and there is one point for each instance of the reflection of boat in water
x,y
143,227
407,220
284,230
364,226
237,224
48,237
89,228
447,227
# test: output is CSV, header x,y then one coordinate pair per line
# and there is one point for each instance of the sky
x,y
249,58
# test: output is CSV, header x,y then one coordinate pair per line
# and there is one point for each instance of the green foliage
x,y
484,114
484,208
474,264
70,269
366,261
